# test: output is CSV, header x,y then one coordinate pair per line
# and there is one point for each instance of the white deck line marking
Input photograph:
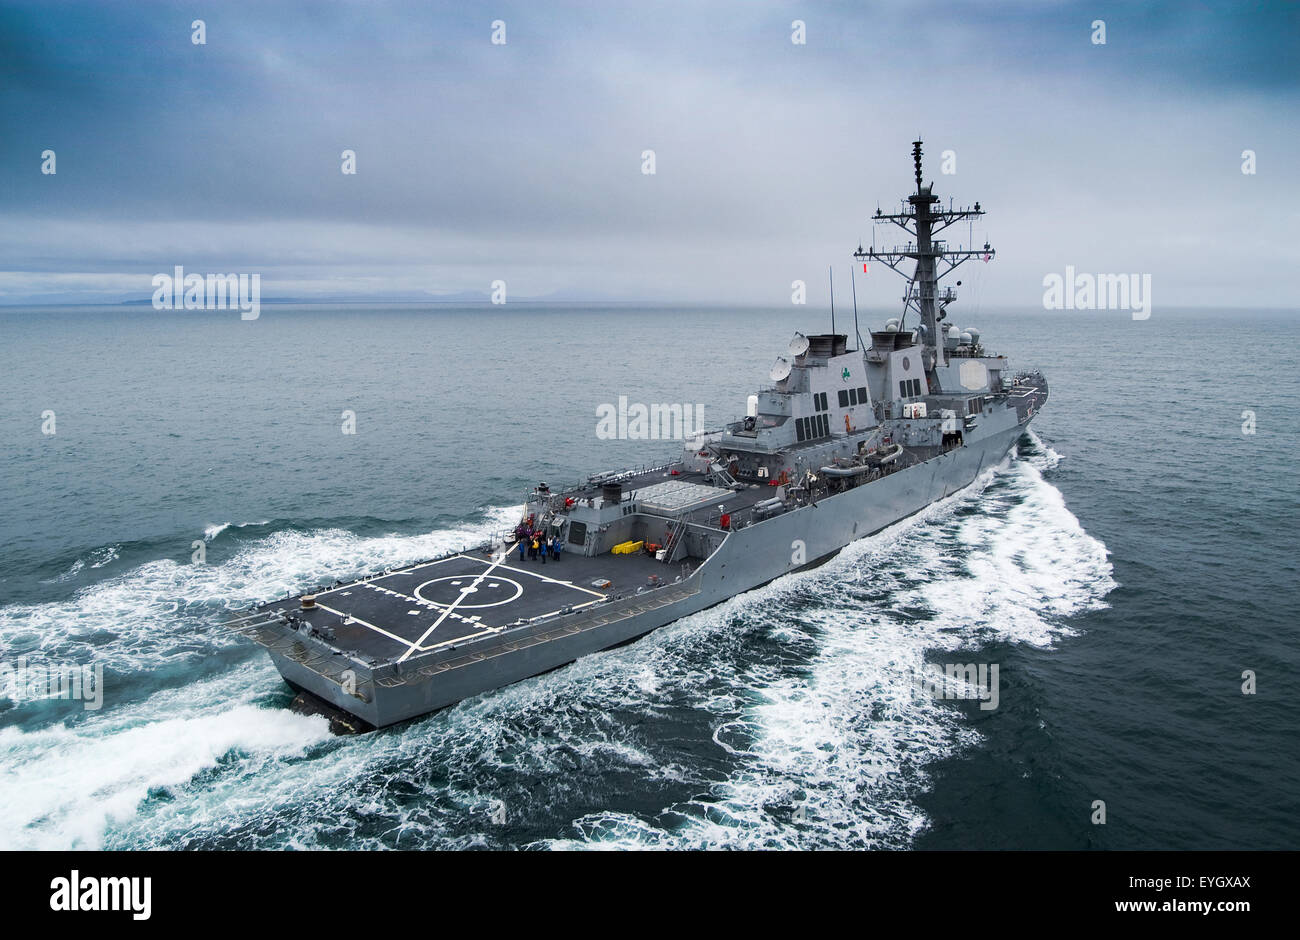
x,y
542,577
519,592
379,577
414,600
355,619
414,646
404,642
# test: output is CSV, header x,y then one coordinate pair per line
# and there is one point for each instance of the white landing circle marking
x,y
498,587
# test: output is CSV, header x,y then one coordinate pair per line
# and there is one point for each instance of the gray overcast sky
x,y
523,161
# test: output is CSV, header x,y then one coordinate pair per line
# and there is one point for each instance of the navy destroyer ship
x,y
842,443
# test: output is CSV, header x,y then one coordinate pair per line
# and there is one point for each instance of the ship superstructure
x,y
839,444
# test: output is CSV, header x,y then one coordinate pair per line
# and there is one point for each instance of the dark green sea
x,y
1133,560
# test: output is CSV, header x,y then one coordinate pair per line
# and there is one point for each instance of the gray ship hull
x,y
747,558
843,444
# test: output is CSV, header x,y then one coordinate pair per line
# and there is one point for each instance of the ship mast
x,y
923,220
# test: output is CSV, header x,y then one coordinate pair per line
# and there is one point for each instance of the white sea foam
x,y
67,786
806,685
1040,454
68,575
106,555
833,755
162,611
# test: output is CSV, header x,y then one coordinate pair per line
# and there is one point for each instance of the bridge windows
x,y
820,401
909,388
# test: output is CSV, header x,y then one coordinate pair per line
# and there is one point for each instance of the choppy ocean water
x,y
1124,569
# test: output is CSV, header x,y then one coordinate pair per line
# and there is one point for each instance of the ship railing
x,y
1024,372
616,476
673,544
592,484
740,518
272,631
941,294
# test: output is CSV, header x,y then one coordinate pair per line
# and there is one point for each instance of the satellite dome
x,y
891,325
966,338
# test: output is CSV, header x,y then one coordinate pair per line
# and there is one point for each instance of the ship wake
x,y
832,750
785,717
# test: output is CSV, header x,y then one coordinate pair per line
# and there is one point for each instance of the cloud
x,y
523,161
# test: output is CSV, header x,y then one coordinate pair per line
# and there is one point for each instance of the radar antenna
x,y
923,219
